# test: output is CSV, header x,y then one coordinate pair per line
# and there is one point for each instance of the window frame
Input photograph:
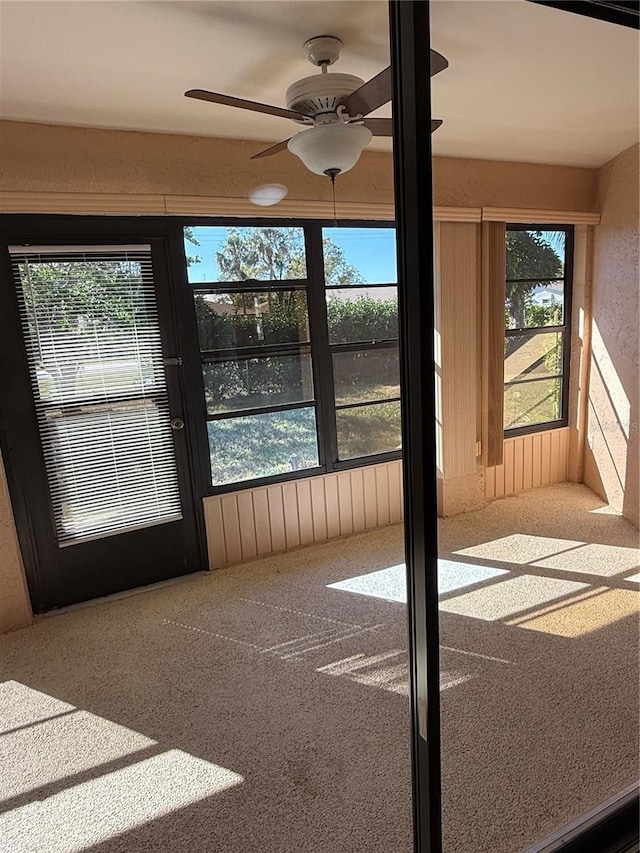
x,y
318,346
564,329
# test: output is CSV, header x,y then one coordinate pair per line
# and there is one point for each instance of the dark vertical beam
x,y
320,352
409,23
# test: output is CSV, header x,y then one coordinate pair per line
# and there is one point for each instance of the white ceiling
x,y
525,82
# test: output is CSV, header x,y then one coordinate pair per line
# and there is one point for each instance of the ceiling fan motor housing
x,y
321,94
323,50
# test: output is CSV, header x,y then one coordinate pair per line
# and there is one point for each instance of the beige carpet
x,y
264,707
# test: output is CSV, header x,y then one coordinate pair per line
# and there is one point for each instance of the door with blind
x,y
110,504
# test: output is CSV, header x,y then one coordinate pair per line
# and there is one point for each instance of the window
x,y
253,330
300,367
537,323
362,321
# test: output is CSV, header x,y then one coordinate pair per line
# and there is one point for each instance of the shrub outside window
x,y
537,324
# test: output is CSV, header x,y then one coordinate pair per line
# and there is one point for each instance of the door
x,y
98,448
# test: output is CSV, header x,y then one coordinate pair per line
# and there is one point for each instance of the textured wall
x,y
488,183
50,158
611,458
14,607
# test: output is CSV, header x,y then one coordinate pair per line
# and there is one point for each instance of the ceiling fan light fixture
x,y
330,147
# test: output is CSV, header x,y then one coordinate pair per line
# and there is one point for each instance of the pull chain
x,y
333,174
333,190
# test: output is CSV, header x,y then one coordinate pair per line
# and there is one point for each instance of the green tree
x,y
265,254
79,312
529,256
190,237
77,294
275,254
261,253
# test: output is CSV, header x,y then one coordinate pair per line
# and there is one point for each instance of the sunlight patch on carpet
x,y
21,706
584,614
59,786
91,812
593,559
388,671
45,740
510,597
391,585
520,548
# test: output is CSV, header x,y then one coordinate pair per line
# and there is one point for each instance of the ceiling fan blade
x,y
371,95
438,63
377,91
384,126
379,126
229,101
275,149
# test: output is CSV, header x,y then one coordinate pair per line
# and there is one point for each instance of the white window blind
x,y
90,325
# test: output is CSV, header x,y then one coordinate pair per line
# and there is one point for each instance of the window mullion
x,y
534,330
361,346
516,382
362,403
258,410
248,353
320,349
249,285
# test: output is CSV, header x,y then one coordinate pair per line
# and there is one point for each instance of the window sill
x,y
307,473
529,430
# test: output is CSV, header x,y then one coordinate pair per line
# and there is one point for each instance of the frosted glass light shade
x,y
330,146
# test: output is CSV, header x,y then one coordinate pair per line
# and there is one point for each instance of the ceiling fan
x,y
332,106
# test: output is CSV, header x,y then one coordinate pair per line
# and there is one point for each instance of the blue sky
x,y
371,250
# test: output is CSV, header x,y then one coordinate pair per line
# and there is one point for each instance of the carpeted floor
x,y
263,708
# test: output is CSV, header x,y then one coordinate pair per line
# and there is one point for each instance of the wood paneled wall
x,y
493,299
265,520
529,461
256,522
457,270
